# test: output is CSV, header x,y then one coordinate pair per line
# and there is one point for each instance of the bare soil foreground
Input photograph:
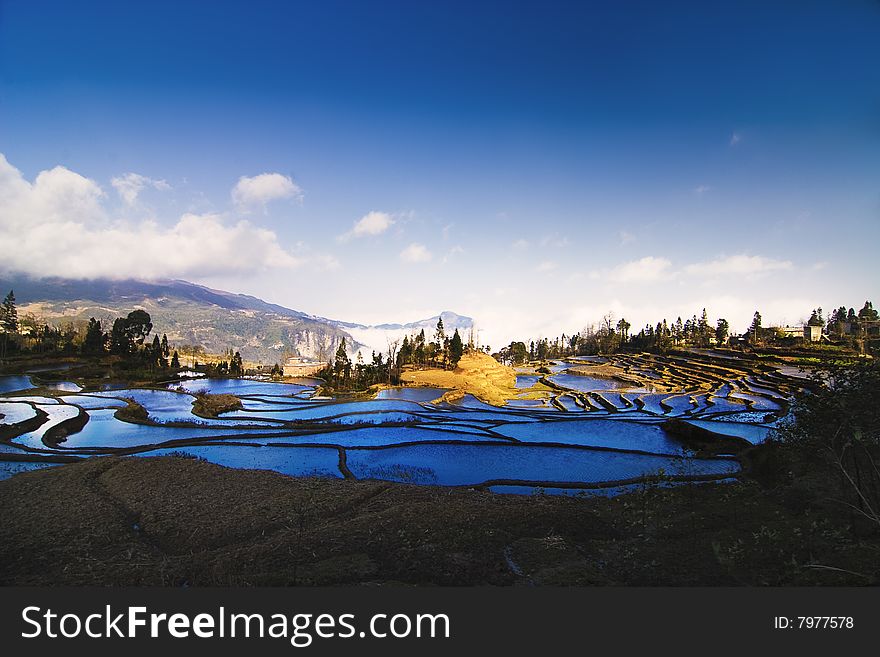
x,y
178,521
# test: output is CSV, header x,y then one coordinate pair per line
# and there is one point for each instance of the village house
x,y
812,332
790,331
302,367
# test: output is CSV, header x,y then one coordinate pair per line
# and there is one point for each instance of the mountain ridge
x,y
217,319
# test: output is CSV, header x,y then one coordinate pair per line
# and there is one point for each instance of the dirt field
x,y
174,521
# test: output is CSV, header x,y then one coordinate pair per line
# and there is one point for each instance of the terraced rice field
x,y
582,434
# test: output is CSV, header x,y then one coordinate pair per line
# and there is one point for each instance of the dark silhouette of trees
x,y
755,328
342,364
95,341
837,426
866,314
722,331
8,321
236,366
456,349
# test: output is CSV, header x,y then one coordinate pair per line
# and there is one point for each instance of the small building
x,y
812,333
302,367
790,331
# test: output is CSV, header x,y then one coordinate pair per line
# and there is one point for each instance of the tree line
x,y
127,339
611,336
414,350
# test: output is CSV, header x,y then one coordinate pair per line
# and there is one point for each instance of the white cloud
x,y
57,226
130,185
324,262
547,265
701,189
371,224
626,237
257,191
735,138
415,253
520,245
56,195
741,264
554,241
456,250
645,269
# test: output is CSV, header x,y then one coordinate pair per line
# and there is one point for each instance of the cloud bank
x,y
57,226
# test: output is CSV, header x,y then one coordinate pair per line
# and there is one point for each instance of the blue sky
x,y
531,165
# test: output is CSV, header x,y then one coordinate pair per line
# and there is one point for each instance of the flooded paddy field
x,y
585,426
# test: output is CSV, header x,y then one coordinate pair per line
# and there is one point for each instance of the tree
x,y
518,353
440,334
120,344
722,330
153,354
755,328
405,355
440,340
456,349
8,320
236,366
704,331
837,426
175,360
342,364
866,314
419,352
392,357
138,325
9,314
128,333
623,327
95,341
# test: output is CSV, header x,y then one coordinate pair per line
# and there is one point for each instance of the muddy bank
x,y
174,521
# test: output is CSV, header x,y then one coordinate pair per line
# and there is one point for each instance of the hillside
x,y
188,313
216,319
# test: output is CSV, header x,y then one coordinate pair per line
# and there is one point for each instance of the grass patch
x,y
208,405
132,412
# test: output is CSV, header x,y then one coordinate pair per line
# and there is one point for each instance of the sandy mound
x,y
477,373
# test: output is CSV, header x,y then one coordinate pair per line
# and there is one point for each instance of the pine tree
x,y
755,328
9,314
722,329
456,349
342,364
95,340
154,353
8,321
236,366
866,314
